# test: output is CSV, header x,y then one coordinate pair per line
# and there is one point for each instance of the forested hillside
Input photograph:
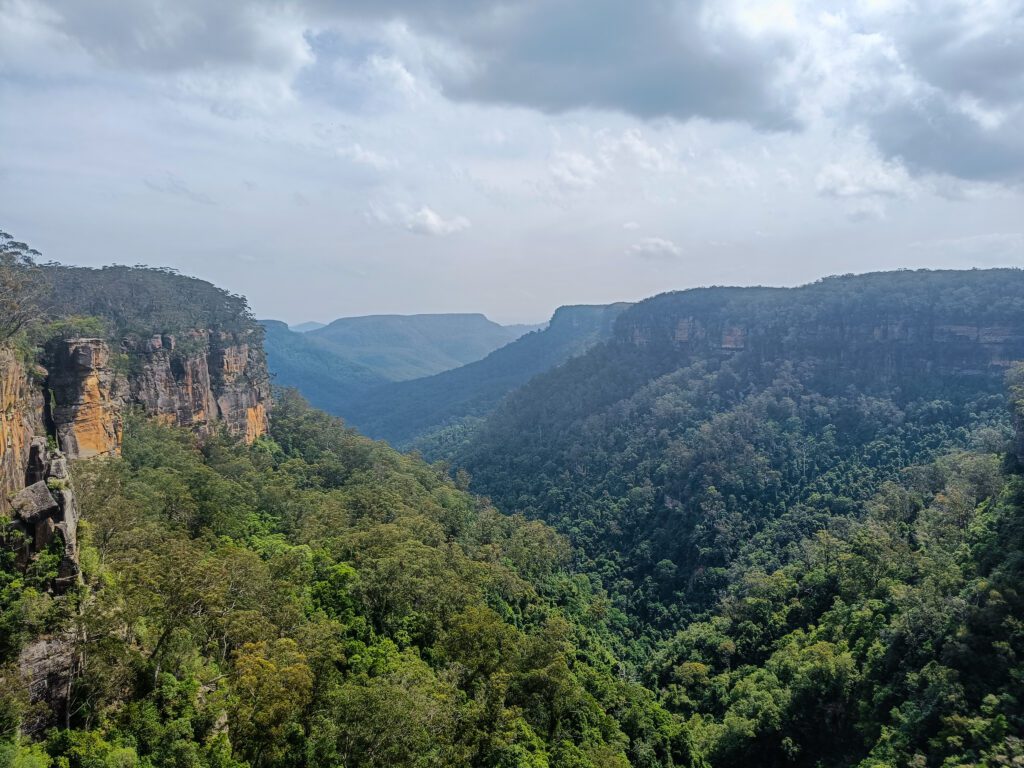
x,y
310,598
436,412
771,484
717,417
318,600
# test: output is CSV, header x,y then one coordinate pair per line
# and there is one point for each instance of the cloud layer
x,y
938,86
547,151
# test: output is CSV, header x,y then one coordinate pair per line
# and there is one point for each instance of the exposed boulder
x,y
34,503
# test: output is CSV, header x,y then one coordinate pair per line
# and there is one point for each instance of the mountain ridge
x,y
406,411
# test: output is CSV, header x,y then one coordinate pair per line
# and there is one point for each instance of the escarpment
x,y
103,344
875,331
73,405
202,380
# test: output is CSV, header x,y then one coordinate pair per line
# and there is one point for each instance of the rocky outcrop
x,y
202,380
48,665
44,513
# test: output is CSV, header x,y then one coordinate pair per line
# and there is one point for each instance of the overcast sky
x,y
329,158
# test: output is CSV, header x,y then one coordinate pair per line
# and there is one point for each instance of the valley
x,y
717,527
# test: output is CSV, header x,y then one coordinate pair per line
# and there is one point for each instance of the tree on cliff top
x,y
18,285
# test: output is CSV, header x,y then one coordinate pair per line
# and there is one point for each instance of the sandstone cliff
x,y
900,329
202,381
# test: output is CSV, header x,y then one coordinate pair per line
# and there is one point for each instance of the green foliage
x,y
790,514
72,327
19,286
667,455
896,643
141,300
317,599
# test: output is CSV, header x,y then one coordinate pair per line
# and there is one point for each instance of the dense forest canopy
x,y
717,417
321,600
720,435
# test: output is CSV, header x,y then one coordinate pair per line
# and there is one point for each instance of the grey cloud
x,y
651,59
953,49
931,135
186,34
965,113
962,113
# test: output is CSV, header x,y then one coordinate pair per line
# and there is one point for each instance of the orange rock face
x,y
255,422
201,381
96,430
21,415
88,398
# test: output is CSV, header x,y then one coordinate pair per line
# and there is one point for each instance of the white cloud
x,y
427,221
655,248
574,172
636,149
862,179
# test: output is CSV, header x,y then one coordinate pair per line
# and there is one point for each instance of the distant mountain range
x,y
362,368
400,347
407,411
325,377
332,364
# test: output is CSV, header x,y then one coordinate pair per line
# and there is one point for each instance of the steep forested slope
x,y
720,419
406,411
326,379
773,485
311,598
890,640
798,520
